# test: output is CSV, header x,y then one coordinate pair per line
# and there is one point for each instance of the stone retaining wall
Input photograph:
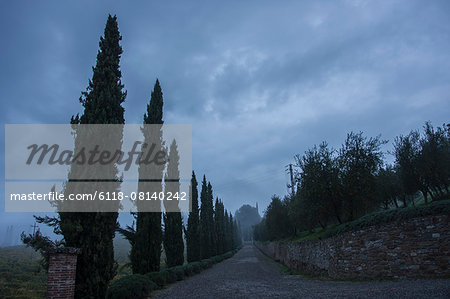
x,y
415,248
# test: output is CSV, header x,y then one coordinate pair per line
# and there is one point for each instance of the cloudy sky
x,y
260,81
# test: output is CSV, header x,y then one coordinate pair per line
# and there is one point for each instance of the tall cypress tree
x,y
226,225
219,226
173,223
232,233
94,232
145,254
193,230
205,223
212,228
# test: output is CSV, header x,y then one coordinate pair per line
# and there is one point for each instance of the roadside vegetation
x,y
20,273
345,189
141,286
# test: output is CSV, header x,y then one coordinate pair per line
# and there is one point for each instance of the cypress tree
x,y
145,255
173,223
231,232
205,224
219,225
94,232
226,224
193,231
212,228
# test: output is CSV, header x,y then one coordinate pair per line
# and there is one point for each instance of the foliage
x,y
389,187
188,270
196,267
247,216
193,229
276,219
206,221
171,275
140,286
173,223
359,161
131,287
94,232
224,230
231,239
206,263
160,278
40,243
407,157
335,187
423,161
219,224
154,113
179,272
319,190
210,220
382,217
146,240
20,275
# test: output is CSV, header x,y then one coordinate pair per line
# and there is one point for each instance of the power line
x,y
247,180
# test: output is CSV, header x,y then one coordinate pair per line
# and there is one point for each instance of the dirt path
x,y
249,274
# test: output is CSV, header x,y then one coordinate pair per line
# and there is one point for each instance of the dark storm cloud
x,y
260,81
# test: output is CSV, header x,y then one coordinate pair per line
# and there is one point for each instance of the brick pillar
x,y
61,272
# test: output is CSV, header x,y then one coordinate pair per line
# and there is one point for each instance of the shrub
x,y
160,278
208,263
196,267
217,259
175,274
171,275
188,270
179,272
204,264
228,254
131,286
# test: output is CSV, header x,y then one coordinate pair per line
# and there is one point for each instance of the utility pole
x,y
34,228
292,179
34,235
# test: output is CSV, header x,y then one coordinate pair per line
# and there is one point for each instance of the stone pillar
x,y
61,272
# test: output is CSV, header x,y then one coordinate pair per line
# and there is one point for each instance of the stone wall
x,y
62,272
416,248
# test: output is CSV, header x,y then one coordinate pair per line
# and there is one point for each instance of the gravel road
x,y
250,274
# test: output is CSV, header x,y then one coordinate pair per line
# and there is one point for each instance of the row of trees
x,y
422,165
211,230
336,186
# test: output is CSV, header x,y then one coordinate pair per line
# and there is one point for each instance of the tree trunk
x,y
336,212
395,202
425,195
323,226
432,196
